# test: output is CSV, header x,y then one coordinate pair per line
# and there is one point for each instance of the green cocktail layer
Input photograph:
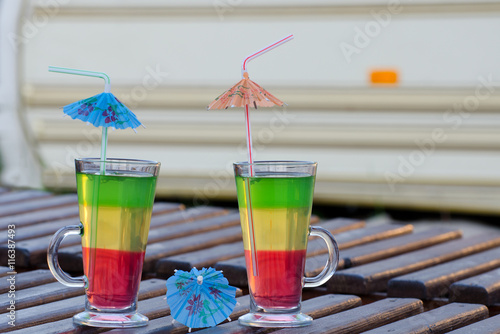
x,y
276,190
129,190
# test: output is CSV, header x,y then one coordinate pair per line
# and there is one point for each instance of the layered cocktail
x,y
275,201
281,229
115,209
115,202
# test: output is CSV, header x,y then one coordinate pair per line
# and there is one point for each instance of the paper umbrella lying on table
x,y
200,298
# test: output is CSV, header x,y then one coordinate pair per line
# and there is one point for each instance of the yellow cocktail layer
x,y
115,227
277,229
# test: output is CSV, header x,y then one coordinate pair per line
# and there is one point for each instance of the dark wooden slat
x,y
339,225
154,307
202,258
66,308
29,279
315,264
482,289
374,276
41,294
159,250
361,318
39,216
435,281
4,271
437,321
22,195
341,228
192,227
36,204
183,216
166,207
46,313
487,326
360,236
325,305
70,258
235,269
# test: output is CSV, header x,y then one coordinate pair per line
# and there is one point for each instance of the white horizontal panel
x,y
467,100
237,3
276,130
409,119
471,199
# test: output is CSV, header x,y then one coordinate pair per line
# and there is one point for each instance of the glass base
x,y
112,320
275,320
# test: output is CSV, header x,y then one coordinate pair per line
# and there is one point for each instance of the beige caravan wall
x,y
432,141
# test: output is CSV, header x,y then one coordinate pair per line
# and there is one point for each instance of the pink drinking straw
x,y
249,148
243,71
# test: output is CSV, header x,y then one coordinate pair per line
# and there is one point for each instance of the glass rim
x,y
119,160
276,163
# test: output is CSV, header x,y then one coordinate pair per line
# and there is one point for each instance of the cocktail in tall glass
x,y
275,202
115,212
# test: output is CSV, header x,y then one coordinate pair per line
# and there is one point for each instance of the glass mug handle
x,y
331,263
53,261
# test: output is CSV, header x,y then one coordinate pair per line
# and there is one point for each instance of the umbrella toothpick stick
x,y
244,75
107,89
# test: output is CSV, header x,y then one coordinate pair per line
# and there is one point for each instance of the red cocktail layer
x,y
114,276
279,280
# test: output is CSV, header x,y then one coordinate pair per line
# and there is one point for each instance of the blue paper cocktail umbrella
x,y
200,298
101,110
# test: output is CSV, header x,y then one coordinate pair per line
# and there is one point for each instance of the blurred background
x,y
398,101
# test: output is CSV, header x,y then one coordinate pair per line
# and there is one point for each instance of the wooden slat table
x,y
390,278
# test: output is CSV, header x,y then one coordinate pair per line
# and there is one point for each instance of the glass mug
x,y
275,201
115,203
